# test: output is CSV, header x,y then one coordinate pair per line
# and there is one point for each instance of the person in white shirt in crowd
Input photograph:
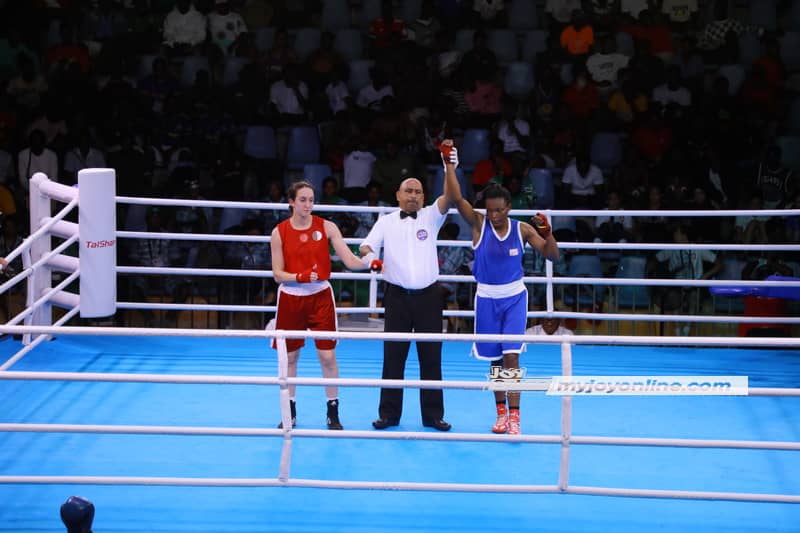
x,y
685,264
672,91
289,96
679,11
339,98
358,171
613,227
634,7
52,122
749,229
28,87
184,28
36,158
561,10
424,28
549,326
367,220
582,182
370,98
225,26
515,134
604,65
774,181
82,155
6,163
489,12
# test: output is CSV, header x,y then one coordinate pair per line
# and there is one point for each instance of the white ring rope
x,y
636,340
169,202
163,235
38,340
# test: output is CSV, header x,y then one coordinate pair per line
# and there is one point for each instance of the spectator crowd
x,y
595,104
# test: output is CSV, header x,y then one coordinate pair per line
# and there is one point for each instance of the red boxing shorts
x,y
316,312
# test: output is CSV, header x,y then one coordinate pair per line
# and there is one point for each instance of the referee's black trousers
x,y
419,311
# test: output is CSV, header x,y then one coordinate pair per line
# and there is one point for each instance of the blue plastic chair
x,y
438,182
790,151
504,45
749,48
519,80
304,147
625,43
370,10
335,14
306,41
585,266
315,174
763,13
463,42
790,50
794,16
260,143
190,67
522,15
564,224
359,74
233,66
792,122
533,43
349,43
474,147
542,182
264,37
410,10
606,151
145,65
635,296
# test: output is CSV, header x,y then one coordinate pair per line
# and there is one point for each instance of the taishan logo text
x,y
100,244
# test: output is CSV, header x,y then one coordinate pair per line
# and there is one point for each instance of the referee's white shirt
x,y
409,247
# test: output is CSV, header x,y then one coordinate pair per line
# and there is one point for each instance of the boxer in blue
x,y
501,300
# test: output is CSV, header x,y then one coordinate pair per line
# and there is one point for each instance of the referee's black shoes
x,y
383,423
439,425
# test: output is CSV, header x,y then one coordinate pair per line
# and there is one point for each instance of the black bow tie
x,y
404,214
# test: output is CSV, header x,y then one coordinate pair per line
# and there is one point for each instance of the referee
x,y
412,300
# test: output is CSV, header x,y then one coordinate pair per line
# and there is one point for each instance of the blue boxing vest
x,y
498,261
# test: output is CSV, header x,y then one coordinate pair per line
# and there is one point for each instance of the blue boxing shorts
x,y
506,316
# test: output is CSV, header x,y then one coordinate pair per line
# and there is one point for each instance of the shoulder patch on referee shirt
x,y
422,235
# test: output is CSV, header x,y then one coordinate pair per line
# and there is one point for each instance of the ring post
x,y
286,414
566,419
41,279
97,227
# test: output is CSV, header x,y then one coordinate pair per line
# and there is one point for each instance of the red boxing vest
x,y
306,249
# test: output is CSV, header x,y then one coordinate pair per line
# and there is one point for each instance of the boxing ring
x,y
173,428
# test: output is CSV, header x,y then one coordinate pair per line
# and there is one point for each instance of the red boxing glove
x,y
304,276
376,265
449,153
541,225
